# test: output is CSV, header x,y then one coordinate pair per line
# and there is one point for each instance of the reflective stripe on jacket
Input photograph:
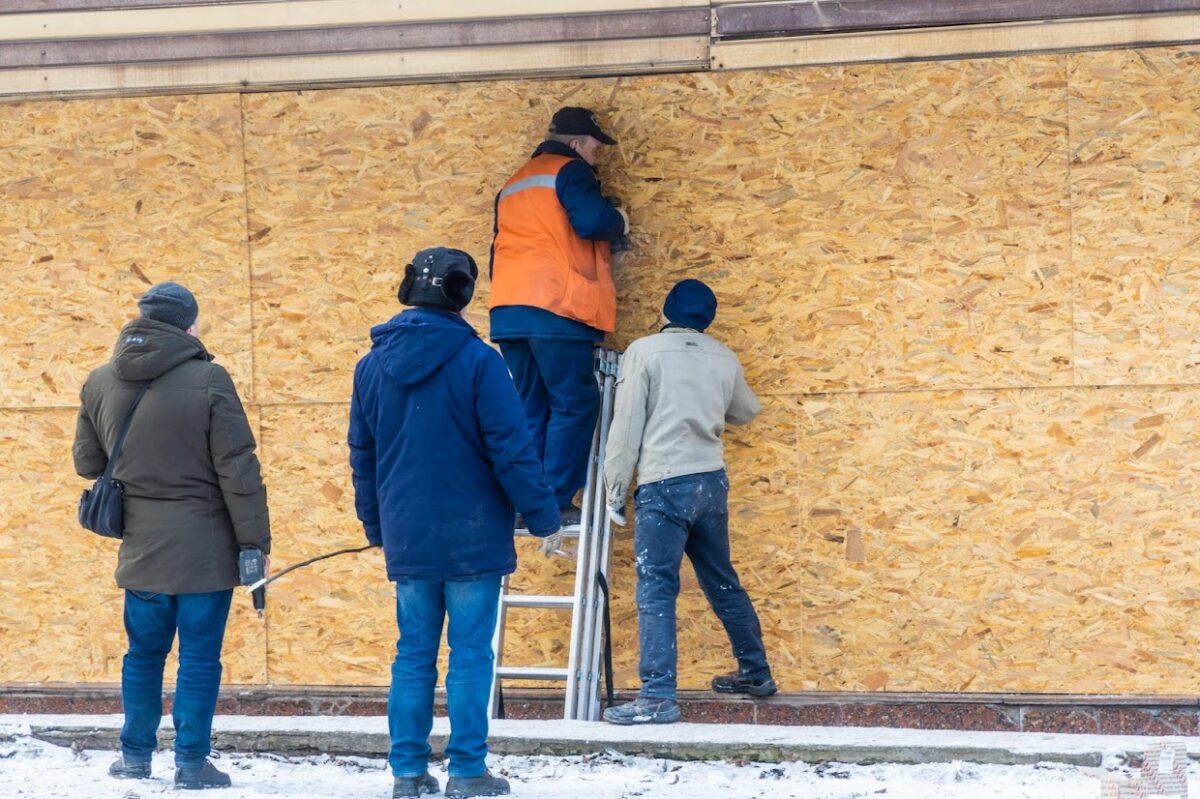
x,y
540,260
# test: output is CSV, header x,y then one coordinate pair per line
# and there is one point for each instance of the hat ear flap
x,y
406,285
458,288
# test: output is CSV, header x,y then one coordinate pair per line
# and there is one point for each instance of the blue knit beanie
x,y
171,303
692,304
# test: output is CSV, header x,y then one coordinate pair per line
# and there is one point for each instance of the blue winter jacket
x,y
441,452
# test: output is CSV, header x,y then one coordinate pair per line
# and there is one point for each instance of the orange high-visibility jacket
x,y
539,259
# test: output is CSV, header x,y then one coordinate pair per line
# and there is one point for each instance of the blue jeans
x,y
150,622
421,607
562,401
680,515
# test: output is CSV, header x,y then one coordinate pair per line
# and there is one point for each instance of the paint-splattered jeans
x,y
690,515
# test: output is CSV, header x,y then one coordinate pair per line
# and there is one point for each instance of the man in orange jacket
x,y
553,296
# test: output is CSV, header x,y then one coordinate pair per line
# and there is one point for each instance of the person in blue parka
x,y
442,459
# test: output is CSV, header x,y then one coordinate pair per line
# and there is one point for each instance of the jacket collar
x,y
422,311
558,148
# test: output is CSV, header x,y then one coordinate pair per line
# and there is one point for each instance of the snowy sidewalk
x,y
32,769
367,737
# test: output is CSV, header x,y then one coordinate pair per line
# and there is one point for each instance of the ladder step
x,y
537,601
531,673
570,531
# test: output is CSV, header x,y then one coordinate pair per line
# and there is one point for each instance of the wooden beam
x,y
629,56
589,27
290,15
800,18
960,42
25,6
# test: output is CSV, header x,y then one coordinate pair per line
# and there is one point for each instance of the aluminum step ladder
x,y
582,673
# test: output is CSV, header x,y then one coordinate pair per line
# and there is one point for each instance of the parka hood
x,y
415,344
148,348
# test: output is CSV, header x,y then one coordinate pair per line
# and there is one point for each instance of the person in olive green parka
x,y
193,498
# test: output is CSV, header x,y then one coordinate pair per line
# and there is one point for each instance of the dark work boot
x,y
123,768
196,778
735,682
483,785
643,711
413,787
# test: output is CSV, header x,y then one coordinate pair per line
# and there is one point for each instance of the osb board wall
x,y
99,198
60,615
1007,538
965,291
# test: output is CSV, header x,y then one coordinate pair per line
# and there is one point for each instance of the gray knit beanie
x,y
171,303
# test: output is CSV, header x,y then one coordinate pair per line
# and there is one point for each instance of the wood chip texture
x,y
966,292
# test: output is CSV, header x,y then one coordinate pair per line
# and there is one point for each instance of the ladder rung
x,y
537,601
568,532
531,673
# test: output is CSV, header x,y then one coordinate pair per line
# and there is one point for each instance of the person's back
x,y
693,387
442,459
553,296
193,498
442,508
183,517
675,393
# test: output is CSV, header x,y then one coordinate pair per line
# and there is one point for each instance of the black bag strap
x,y
120,442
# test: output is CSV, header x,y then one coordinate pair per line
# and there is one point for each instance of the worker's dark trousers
x,y
689,515
151,621
562,401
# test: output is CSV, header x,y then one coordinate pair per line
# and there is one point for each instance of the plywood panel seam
x,y
797,452
1147,387
1068,61
248,242
303,403
266,619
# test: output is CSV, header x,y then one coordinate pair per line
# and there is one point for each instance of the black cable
x,y
309,562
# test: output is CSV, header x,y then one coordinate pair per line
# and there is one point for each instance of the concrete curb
x,y
301,744
367,737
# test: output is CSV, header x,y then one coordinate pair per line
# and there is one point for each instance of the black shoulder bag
x,y
101,508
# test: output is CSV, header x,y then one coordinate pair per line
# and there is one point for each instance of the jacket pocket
x,y
581,297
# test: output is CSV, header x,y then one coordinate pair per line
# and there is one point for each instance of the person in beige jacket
x,y
675,393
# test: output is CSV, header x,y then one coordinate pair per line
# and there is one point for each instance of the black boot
x,y
735,682
125,769
483,785
413,787
196,778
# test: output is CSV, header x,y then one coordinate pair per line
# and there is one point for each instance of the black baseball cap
x,y
572,121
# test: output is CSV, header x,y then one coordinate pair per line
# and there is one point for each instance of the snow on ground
x,y
37,770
